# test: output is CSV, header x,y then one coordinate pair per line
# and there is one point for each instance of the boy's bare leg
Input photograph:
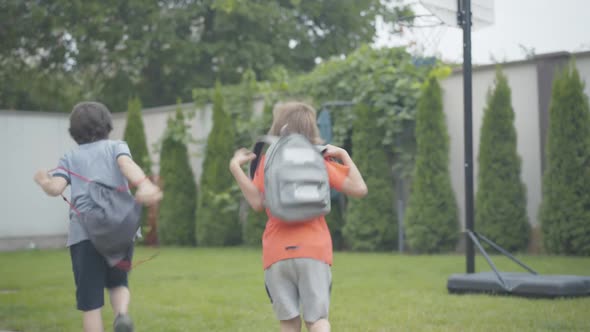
x,y
120,299
322,325
93,321
291,325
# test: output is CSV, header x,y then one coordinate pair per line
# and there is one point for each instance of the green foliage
x,y
242,97
431,220
135,136
217,217
335,221
371,222
384,78
33,90
565,210
177,209
500,202
254,227
161,50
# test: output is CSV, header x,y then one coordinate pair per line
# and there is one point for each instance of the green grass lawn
x,y
223,290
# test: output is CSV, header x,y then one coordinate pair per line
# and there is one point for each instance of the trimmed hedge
x,y
177,209
371,222
565,210
217,222
431,221
500,202
135,136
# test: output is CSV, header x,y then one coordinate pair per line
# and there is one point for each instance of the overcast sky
x,y
543,25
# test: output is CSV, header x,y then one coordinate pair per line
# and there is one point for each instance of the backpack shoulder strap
x,y
257,149
83,178
321,148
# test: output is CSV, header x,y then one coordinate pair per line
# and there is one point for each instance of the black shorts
x,y
92,275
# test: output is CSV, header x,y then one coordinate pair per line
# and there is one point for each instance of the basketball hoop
x,y
482,11
434,17
424,40
424,34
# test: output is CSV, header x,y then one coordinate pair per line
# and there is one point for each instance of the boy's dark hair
x,y
90,122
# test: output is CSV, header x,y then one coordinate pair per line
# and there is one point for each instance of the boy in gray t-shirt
x,y
109,162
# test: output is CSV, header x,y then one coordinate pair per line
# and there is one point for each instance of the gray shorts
x,y
299,283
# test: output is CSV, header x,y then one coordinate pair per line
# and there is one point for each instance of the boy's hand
x,y
333,151
41,176
148,193
242,156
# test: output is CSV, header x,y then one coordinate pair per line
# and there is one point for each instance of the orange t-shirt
x,y
310,239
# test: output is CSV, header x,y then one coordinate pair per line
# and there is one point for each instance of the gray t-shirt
x,y
96,161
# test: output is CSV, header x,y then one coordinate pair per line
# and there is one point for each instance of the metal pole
x,y
465,21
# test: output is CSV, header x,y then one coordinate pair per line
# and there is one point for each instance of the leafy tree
x,y
135,137
431,221
242,97
177,209
23,88
387,80
565,210
161,50
500,202
371,222
217,217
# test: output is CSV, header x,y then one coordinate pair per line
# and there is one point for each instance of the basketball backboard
x,y
482,11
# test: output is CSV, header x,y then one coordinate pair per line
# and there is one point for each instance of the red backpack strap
x,y
71,205
83,178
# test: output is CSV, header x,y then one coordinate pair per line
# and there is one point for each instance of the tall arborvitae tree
x,y
217,217
431,221
371,222
177,209
500,202
256,221
565,211
135,137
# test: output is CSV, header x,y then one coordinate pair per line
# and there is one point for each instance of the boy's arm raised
x,y
248,188
52,186
147,192
354,185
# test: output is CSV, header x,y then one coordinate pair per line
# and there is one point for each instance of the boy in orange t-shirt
x,y
297,256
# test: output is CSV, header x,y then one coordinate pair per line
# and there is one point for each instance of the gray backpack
x,y
296,184
111,222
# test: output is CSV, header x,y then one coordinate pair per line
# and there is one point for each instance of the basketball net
x,y
423,36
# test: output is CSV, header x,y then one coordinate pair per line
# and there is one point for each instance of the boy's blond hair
x,y
295,117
